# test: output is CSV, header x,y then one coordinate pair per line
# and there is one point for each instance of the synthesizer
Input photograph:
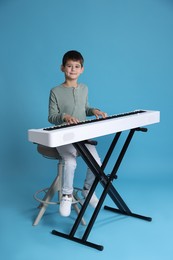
x,y
66,134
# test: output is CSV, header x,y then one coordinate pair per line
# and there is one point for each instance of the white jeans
x,y
69,155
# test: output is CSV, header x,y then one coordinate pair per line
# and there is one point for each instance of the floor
x,y
123,238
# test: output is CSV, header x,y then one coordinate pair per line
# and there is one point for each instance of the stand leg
x,y
129,214
109,189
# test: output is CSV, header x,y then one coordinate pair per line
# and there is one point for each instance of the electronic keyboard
x,y
66,134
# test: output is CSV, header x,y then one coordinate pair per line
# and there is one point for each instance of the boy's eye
x,y
71,66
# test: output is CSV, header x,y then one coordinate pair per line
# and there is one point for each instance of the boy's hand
x,y
70,119
99,113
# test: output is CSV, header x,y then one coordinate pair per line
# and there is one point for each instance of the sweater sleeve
x,y
55,116
88,109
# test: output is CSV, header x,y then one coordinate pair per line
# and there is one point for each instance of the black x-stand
x,y
106,182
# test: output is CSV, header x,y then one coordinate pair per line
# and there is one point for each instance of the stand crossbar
x,y
108,188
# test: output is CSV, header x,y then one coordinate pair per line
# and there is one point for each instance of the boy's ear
x,y
62,68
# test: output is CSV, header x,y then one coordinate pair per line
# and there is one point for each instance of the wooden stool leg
x,y
49,195
55,187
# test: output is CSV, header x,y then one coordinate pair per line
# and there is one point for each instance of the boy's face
x,y
72,69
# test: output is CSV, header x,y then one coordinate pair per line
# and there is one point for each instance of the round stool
x,y
56,186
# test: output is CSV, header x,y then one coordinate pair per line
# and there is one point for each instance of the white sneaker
x,y
65,206
93,201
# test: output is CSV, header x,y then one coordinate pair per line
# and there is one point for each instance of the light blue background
x,y
128,53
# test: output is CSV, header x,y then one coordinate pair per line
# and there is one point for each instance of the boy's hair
x,y
72,55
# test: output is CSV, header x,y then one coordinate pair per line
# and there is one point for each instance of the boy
x,y
68,103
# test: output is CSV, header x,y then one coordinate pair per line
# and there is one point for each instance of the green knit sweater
x,y
68,100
